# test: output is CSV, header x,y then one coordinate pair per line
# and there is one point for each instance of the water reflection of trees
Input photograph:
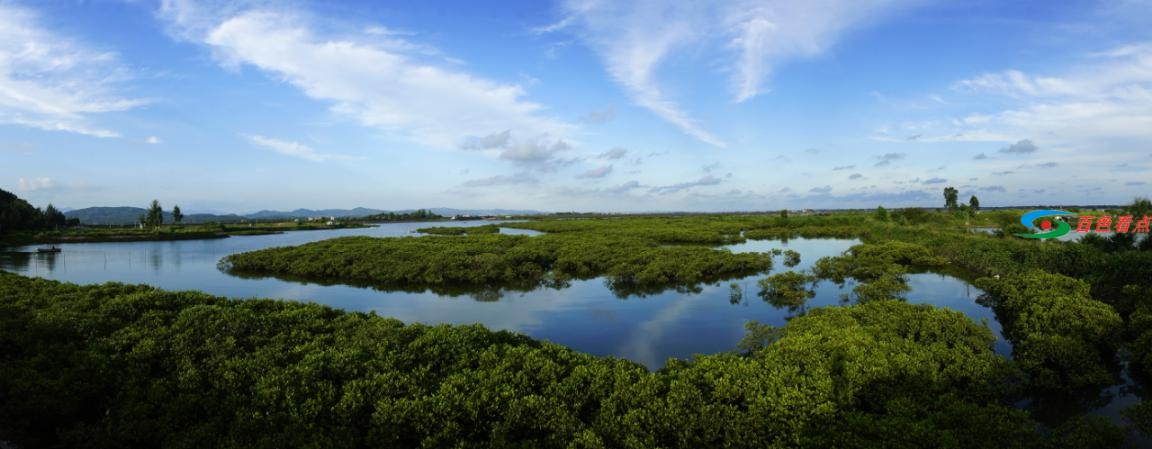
x,y
16,261
49,260
620,286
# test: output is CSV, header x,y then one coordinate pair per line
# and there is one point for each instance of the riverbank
x,y
168,233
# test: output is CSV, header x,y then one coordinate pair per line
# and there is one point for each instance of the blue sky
x,y
574,105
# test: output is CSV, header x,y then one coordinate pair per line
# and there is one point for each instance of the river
x,y
586,316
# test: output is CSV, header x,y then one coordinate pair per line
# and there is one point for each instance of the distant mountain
x,y
125,215
363,212
448,212
107,215
306,213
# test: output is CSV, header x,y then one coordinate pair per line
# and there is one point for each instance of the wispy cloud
x,y
764,34
1022,147
598,172
489,142
934,181
1102,97
599,116
289,148
502,180
843,167
707,180
634,38
394,85
34,184
613,154
856,176
887,158
52,82
542,153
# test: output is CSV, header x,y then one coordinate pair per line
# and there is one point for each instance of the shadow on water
x,y
479,292
17,261
24,261
621,287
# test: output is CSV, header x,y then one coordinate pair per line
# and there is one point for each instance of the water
x,y
587,316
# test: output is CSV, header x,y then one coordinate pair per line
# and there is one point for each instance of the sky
x,y
574,105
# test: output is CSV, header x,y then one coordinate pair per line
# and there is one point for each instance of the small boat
x,y
51,249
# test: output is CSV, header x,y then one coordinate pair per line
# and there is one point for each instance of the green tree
x,y
53,218
882,213
1139,207
17,214
155,215
177,216
964,211
950,197
787,289
974,203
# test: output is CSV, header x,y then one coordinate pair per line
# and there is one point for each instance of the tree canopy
x,y
17,214
131,366
951,195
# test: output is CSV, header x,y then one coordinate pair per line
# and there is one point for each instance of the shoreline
x,y
164,236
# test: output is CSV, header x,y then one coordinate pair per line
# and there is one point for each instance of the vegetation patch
x,y
131,366
632,266
460,230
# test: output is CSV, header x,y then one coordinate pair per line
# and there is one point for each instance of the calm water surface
x,y
586,316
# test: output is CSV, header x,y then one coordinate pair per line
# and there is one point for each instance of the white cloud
x,y
1022,147
502,180
388,86
491,141
598,172
633,39
886,159
34,184
533,152
152,140
613,154
1106,96
289,148
770,32
707,180
541,153
50,82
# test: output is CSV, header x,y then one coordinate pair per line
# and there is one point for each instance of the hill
x,y
125,215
